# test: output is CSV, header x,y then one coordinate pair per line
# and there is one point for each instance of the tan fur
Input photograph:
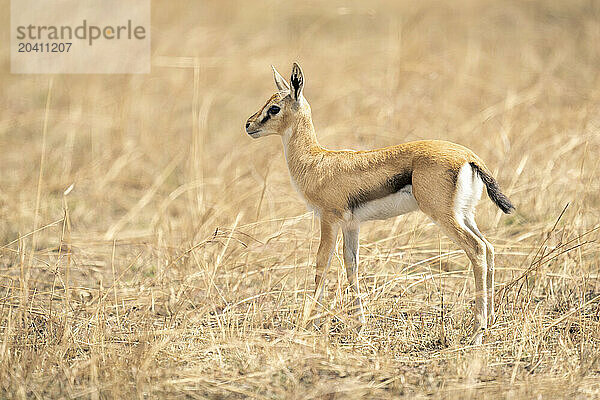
x,y
328,178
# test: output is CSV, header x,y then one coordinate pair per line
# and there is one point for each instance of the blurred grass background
x,y
149,248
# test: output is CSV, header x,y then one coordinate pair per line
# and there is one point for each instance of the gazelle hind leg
x,y
475,250
489,252
446,199
351,265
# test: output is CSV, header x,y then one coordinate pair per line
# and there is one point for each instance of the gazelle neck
x,y
300,138
301,150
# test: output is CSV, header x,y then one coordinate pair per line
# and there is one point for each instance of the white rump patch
x,y
469,187
390,206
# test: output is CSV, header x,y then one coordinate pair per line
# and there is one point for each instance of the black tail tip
x,y
504,204
493,191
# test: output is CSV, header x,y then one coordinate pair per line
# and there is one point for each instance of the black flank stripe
x,y
392,185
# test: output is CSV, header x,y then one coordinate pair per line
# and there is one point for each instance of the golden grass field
x,y
150,249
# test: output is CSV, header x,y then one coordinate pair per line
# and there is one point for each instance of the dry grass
x,y
179,263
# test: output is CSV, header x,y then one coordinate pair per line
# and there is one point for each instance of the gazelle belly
x,y
390,206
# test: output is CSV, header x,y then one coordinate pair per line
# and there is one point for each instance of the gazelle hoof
x,y
477,339
356,324
317,323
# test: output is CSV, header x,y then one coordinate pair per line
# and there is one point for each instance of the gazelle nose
x,y
247,125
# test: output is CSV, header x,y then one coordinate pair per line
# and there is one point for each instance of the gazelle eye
x,y
274,109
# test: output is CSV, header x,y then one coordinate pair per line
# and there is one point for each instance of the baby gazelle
x,y
442,179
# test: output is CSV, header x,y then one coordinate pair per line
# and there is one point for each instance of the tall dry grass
x,y
150,249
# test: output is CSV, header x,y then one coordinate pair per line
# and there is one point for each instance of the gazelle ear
x,y
297,82
279,81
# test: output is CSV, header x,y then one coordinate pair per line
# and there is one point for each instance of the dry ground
x,y
179,262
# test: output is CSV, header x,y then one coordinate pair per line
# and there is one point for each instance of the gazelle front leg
x,y
351,264
329,231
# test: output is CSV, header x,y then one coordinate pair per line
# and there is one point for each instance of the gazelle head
x,y
282,108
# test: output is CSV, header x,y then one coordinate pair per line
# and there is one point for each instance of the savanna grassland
x,y
150,249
